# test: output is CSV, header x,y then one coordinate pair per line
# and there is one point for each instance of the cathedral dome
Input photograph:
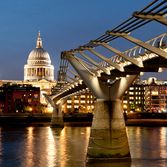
x,y
38,56
38,64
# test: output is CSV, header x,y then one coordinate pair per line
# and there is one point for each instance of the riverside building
x,y
146,96
83,103
156,97
19,98
38,72
142,96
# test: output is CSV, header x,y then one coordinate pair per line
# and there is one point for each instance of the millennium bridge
x,y
108,72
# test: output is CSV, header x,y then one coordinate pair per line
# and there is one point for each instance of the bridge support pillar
x,y
57,115
108,139
57,118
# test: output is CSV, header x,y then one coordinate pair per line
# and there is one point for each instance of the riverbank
x,y
146,119
27,119
146,122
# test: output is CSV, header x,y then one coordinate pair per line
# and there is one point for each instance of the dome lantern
x,y
39,41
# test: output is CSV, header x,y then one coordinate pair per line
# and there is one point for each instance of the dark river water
x,y
52,147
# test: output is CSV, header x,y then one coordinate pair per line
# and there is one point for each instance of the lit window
x,y
154,93
69,101
75,106
69,106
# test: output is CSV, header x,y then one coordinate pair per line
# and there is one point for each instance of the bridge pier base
x,y
108,138
57,118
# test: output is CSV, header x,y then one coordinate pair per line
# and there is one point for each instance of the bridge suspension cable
x,y
133,23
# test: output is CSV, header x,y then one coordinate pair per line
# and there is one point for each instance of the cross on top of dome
x,y
39,41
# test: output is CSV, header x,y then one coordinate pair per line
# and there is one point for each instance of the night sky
x,y
64,25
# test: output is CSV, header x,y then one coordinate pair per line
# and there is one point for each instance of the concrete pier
x,y
108,139
57,118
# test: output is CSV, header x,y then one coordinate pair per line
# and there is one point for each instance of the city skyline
x,y
63,25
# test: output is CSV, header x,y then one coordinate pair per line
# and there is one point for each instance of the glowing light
x,y
49,109
125,106
29,109
141,73
137,109
154,93
160,69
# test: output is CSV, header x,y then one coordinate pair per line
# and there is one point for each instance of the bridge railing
x,y
139,52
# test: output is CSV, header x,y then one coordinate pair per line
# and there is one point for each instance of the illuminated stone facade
x,y
156,97
38,64
146,96
38,71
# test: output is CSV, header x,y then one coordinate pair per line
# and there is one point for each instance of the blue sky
x,y
64,24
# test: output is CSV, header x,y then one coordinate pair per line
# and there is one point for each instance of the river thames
x,y
52,147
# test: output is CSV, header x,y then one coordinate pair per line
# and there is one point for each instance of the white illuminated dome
x,y
38,64
39,56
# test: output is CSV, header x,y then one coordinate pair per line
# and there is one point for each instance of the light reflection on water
x,y
53,147
148,142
